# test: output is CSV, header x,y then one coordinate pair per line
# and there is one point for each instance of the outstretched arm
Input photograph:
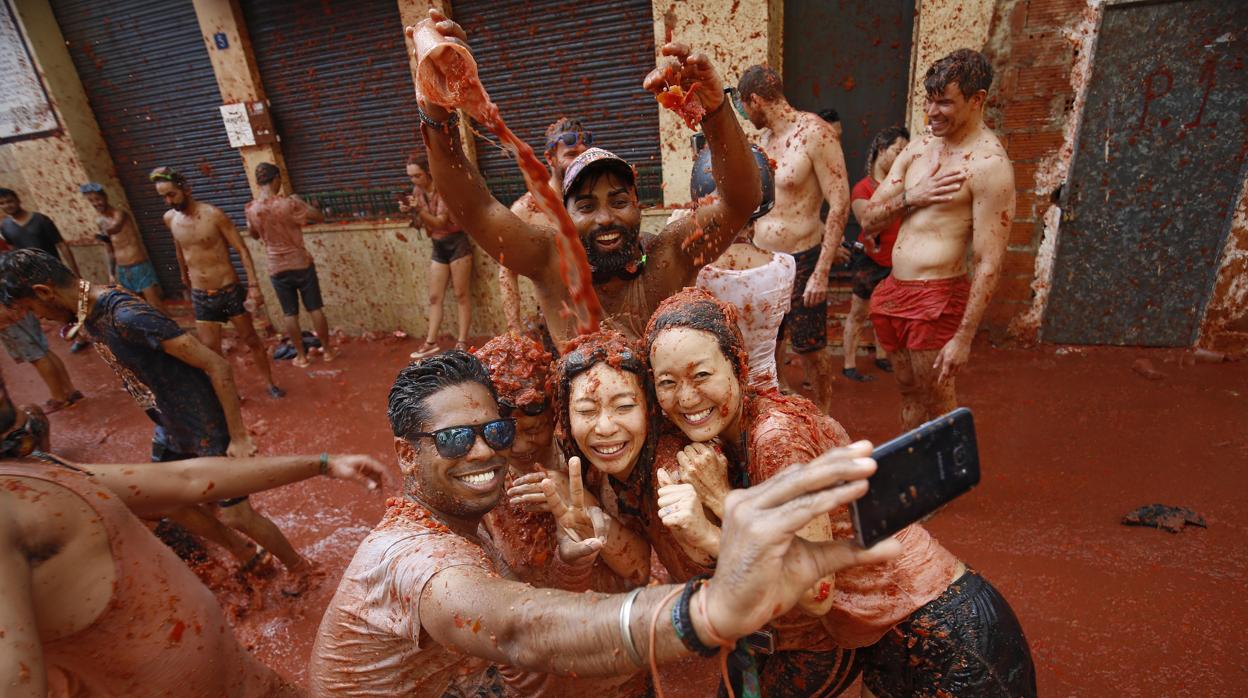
x,y
147,490
763,569
992,214
695,240
191,351
824,148
22,673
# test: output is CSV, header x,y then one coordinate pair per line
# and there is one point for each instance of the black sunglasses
x,y
456,442
531,409
570,138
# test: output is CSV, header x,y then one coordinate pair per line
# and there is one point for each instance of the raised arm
x,y
22,673
738,189
147,490
311,214
763,569
824,149
992,214
191,351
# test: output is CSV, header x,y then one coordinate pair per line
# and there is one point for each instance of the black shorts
x,y
965,643
219,305
294,284
451,248
807,325
868,274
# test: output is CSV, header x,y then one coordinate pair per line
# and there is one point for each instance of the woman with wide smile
x,y
904,623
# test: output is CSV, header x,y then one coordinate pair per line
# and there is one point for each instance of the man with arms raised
x,y
565,140
127,258
951,188
810,168
197,410
600,194
202,236
90,592
423,601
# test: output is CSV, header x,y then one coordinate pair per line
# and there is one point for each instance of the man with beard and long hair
x,y
202,237
600,194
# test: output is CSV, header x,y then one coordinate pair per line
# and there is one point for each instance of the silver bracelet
x,y
625,633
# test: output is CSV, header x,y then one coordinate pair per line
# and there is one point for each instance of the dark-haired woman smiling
x,y
925,623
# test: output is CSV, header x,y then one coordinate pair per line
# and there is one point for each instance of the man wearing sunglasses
x,y
424,600
565,140
630,276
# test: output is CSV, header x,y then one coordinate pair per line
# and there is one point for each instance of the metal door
x,y
1157,168
148,79
542,59
852,56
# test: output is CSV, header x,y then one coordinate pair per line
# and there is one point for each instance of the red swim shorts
x,y
920,314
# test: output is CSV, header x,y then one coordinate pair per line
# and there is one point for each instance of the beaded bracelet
x,y
443,126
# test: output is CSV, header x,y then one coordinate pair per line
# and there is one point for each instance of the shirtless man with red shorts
x,y
203,236
951,188
810,169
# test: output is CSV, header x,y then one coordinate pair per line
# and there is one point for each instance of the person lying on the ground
x,y
525,536
565,139
197,407
422,601
90,592
128,261
915,625
600,194
953,189
202,238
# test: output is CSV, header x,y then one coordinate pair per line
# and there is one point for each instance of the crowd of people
x,y
576,508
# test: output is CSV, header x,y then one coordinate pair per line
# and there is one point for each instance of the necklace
x,y
84,288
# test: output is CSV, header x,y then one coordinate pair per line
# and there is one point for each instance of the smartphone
x,y
917,473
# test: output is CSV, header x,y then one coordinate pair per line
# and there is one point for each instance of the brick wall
x,y
1033,54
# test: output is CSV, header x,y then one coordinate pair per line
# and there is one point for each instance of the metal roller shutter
x,y
337,77
149,81
541,59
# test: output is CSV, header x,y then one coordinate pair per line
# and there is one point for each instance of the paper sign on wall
x,y
24,107
237,125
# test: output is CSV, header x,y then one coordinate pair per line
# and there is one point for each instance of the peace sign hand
x,y
583,528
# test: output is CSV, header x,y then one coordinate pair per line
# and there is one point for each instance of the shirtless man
x,y
600,195
565,140
423,601
810,169
92,596
952,188
202,236
128,263
277,220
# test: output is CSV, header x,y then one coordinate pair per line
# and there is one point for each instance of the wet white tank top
x,y
762,297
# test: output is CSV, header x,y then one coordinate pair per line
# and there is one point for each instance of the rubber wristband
x,y
710,628
682,620
718,109
324,463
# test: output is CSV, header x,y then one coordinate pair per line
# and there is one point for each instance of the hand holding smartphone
x,y
916,474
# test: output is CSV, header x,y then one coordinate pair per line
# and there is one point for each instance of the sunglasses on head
x,y
570,138
577,361
531,409
456,442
